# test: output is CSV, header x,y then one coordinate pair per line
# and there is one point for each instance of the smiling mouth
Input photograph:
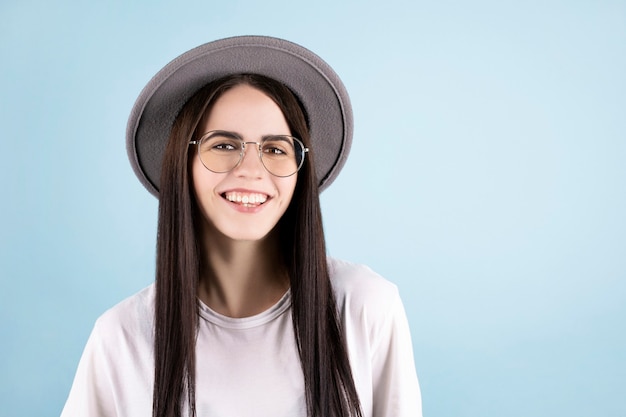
x,y
245,199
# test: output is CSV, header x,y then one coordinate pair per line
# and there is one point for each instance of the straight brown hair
x,y
328,381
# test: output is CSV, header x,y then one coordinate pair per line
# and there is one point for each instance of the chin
x,y
248,235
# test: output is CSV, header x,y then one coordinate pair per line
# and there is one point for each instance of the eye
x,y
219,143
273,150
223,147
277,147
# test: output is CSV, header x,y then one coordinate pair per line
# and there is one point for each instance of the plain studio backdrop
x,y
487,180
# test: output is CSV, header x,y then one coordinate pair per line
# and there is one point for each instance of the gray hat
x,y
313,81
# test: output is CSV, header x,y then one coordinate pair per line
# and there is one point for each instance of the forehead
x,y
245,110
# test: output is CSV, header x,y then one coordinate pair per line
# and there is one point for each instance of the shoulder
x,y
132,316
378,339
357,280
359,288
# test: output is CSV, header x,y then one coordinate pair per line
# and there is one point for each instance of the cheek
x,y
201,178
288,187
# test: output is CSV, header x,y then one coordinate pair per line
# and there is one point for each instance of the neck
x,y
242,278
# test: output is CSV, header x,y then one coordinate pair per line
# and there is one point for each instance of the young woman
x,y
247,316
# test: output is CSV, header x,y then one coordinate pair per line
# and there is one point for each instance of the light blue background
x,y
487,179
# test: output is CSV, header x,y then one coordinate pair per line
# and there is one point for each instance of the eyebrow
x,y
236,135
226,133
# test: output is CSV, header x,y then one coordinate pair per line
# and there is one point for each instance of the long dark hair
x,y
329,386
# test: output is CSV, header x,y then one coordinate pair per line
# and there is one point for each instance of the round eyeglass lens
x,y
220,152
282,156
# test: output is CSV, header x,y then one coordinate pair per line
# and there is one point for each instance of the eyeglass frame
x,y
242,152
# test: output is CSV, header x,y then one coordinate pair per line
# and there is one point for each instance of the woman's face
x,y
246,203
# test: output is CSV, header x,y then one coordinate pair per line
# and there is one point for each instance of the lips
x,y
245,199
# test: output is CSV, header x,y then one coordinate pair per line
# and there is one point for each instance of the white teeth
x,y
247,199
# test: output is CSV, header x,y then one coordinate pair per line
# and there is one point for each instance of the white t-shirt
x,y
249,367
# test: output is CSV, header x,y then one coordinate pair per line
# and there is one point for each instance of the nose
x,y
250,165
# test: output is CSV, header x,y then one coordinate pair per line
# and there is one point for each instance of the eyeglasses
x,y
221,151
